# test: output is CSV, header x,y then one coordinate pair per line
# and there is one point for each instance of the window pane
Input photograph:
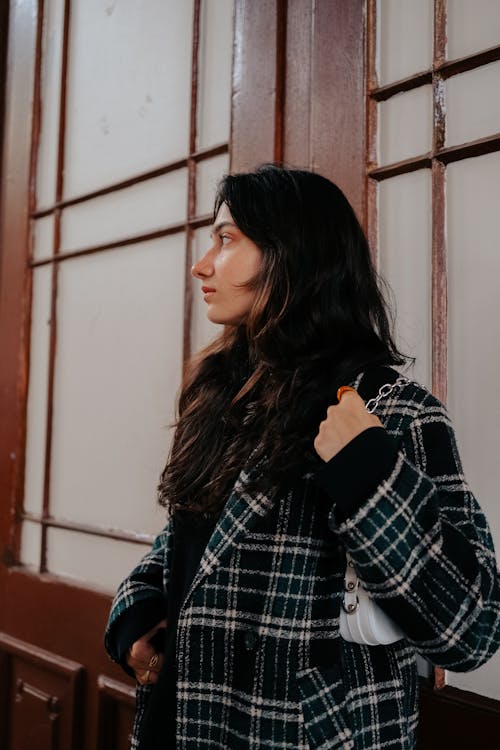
x,y
405,262
215,68
128,90
37,394
473,187
31,544
405,38
209,173
118,370
141,208
472,26
43,237
49,95
94,560
405,125
473,104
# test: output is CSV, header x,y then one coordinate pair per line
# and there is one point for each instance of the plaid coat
x,y
260,660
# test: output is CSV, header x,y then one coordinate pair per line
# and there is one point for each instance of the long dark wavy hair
x,y
256,395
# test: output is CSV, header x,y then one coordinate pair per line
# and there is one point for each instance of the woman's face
x,y
231,261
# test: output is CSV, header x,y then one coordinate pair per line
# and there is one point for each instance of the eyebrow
x,y
218,227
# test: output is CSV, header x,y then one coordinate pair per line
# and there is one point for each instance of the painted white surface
x,y
129,90
405,262
202,330
31,544
209,173
473,187
473,104
214,74
141,208
37,391
405,38
93,560
43,237
118,369
405,125
49,95
472,25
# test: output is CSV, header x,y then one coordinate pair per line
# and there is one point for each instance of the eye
x,y
225,239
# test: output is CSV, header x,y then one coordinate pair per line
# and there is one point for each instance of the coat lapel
x,y
241,511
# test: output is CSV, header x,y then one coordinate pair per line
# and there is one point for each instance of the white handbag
x,y
361,619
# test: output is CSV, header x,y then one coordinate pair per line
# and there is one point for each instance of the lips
x,y
207,290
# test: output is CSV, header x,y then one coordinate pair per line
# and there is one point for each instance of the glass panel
x,y
37,393
135,210
43,237
209,173
215,68
97,561
31,544
473,187
202,330
128,102
405,38
50,92
405,125
118,370
472,26
473,104
405,262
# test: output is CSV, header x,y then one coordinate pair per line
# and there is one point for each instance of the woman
x,y
272,479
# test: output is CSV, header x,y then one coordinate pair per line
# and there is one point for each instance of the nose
x,y
204,267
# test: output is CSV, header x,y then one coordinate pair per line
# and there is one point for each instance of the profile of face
x,y
231,261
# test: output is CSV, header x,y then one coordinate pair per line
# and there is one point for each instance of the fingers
x,y
343,423
144,659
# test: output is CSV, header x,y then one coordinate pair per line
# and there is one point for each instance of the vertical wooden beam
x,y
256,89
439,266
338,110
192,175
371,78
14,244
55,275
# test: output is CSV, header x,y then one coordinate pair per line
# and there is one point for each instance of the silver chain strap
x,y
384,391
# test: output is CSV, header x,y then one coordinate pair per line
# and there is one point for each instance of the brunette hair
x,y
257,394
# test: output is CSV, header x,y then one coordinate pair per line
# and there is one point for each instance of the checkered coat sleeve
x,y
260,662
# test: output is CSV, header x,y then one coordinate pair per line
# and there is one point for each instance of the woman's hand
x,y
342,424
144,659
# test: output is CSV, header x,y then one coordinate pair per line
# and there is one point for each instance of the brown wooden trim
x,y
458,719
401,167
445,69
195,223
15,289
470,62
172,229
87,528
254,89
467,150
116,690
439,284
371,78
37,105
382,93
4,28
113,701
202,155
192,179
440,17
281,58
